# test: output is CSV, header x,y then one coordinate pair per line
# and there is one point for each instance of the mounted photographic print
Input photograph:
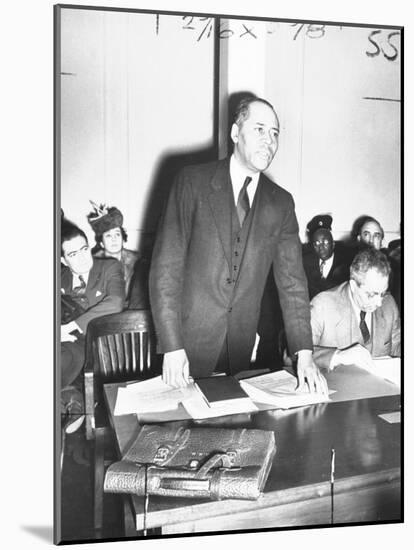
x,y
228,273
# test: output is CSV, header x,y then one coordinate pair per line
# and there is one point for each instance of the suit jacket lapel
x,y
66,279
264,214
92,279
347,322
220,201
378,329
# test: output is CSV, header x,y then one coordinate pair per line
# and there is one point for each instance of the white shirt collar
x,y
328,265
76,281
238,174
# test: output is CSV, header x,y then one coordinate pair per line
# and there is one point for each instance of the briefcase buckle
x,y
161,455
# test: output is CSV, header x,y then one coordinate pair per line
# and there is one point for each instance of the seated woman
x,y
110,237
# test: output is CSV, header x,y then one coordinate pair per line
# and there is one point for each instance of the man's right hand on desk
x,y
176,368
354,355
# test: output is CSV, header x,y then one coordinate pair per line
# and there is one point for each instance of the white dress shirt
x,y
76,281
327,266
238,175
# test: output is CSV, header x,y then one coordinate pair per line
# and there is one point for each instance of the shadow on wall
x,y
167,169
170,165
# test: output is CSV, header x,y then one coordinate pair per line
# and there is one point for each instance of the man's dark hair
x,y
241,112
362,221
68,232
367,259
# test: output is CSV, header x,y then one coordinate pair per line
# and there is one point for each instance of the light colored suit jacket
x,y
334,326
194,302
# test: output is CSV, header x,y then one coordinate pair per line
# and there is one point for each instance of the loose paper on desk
x,y
198,408
149,396
388,368
278,388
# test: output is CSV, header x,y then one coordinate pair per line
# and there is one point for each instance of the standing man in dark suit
x,y
90,288
225,225
326,263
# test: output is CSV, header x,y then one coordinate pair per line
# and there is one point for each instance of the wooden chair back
x,y
119,347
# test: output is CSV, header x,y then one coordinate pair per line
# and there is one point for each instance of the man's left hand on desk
x,y
309,375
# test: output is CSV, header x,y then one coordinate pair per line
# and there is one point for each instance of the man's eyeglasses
x,y
371,295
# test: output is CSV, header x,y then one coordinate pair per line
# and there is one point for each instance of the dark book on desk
x,y
218,390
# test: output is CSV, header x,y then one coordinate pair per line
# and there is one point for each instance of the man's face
x,y
256,140
323,244
112,241
368,294
77,255
371,235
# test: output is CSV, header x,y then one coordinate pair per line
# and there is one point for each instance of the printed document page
x,y
278,388
151,395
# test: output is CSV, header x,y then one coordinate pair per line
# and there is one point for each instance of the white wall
x,y
133,99
338,152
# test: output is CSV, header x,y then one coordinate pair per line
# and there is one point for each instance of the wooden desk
x,y
367,472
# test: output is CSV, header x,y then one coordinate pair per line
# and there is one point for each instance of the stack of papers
x,y
278,389
155,396
198,408
150,396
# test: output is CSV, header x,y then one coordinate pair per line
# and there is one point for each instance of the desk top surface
x,y
364,443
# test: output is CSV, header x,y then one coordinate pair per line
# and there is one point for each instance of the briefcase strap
x,y
212,463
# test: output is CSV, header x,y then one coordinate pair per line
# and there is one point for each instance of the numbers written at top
x,y
202,27
382,42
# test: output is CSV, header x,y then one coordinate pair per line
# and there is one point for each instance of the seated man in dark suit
x,y
326,263
358,319
90,288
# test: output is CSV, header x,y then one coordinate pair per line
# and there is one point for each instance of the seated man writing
x,y
358,319
90,288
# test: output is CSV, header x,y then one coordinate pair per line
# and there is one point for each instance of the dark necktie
x,y
363,327
322,265
81,288
243,204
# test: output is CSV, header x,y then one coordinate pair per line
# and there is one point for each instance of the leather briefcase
x,y
214,463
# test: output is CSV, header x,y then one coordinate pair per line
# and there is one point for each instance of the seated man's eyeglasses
x,y
372,294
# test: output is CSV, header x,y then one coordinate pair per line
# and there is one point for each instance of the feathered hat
x,y
103,219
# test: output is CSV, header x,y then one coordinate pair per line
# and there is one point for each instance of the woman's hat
x,y
103,219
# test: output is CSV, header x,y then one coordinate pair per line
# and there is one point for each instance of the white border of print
x,y
27,193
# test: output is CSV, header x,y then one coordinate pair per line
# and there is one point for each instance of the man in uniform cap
x,y
326,263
